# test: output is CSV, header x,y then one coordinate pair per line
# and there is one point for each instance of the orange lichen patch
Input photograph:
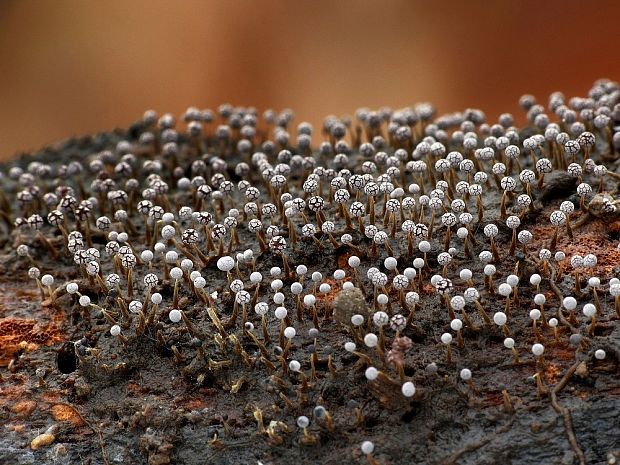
x,y
51,396
194,404
12,395
11,327
568,355
583,395
552,373
23,408
62,412
542,234
427,288
21,334
591,238
607,255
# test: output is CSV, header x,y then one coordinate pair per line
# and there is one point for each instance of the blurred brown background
x,y
75,67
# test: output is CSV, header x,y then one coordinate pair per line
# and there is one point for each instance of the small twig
x,y
565,412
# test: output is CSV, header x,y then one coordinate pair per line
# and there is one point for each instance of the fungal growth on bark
x,y
233,285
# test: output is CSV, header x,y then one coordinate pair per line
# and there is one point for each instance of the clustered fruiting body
x,y
219,244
